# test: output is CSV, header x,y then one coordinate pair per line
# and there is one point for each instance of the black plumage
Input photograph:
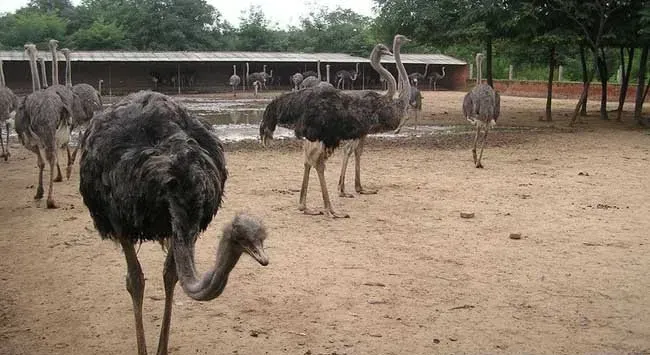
x,y
142,157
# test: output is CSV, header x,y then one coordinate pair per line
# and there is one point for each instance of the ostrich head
x,y
247,234
65,52
53,44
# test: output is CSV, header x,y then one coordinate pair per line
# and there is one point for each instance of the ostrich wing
x,y
143,156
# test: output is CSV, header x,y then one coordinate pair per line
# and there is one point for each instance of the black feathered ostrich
x,y
151,172
325,117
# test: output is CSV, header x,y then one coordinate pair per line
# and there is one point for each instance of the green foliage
x,y
100,35
30,26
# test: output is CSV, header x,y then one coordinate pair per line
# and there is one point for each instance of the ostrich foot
x,y
308,211
51,204
332,214
362,191
479,165
39,193
68,172
345,194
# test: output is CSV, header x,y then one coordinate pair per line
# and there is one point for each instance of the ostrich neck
x,y
375,59
212,283
318,69
426,70
43,73
2,75
234,70
405,89
68,71
55,66
478,69
36,84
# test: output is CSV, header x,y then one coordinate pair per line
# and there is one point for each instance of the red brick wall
x,y
563,90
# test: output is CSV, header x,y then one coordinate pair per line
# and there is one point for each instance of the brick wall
x,y
562,90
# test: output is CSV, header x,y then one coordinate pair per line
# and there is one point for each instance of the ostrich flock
x,y
151,171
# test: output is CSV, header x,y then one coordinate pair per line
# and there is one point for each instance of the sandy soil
x,y
404,275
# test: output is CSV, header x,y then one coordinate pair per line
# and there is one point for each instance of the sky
x,y
285,15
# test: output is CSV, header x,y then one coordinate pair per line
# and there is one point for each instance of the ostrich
x,y
435,77
42,126
87,101
297,78
41,62
343,75
100,82
416,77
484,103
8,104
400,105
256,87
234,80
415,104
63,91
150,171
312,81
253,77
326,116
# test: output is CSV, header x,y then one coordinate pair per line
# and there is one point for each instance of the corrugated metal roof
x,y
287,57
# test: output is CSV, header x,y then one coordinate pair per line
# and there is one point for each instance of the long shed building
x,y
204,72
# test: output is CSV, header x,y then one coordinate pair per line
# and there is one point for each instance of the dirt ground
x,y
403,275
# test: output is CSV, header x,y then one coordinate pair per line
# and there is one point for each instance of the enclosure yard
x,y
403,275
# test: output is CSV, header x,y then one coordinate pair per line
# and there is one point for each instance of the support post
x,y
178,77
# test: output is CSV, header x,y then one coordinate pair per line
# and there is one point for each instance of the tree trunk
x,y
638,105
488,63
601,63
585,80
549,94
626,80
583,97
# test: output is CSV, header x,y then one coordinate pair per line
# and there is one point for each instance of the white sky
x,y
284,12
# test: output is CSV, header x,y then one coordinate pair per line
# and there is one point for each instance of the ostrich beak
x,y
256,251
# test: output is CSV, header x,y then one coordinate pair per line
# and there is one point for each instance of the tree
x,y
100,35
30,26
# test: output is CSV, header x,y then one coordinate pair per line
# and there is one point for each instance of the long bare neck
x,y
318,69
99,88
375,58
36,84
404,93
443,72
68,71
478,69
212,283
247,70
426,70
234,70
2,75
55,66
41,61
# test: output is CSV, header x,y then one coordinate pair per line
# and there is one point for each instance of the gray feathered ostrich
x,y
357,146
42,125
325,117
86,102
151,172
312,81
435,77
344,75
234,81
418,77
8,104
296,79
481,107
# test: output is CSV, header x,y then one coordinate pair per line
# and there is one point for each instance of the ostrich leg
x,y
347,152
50,195
320,169
170,278
479,165
41,167
478,131
302,205
357,169
7,154
135,286
4,155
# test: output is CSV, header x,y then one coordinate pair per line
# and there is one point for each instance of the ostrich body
x,y
481,107
325,117
417,77
42,125
151,172
235,80
343,75
296,79
259,76
87,101
8,104
435,77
